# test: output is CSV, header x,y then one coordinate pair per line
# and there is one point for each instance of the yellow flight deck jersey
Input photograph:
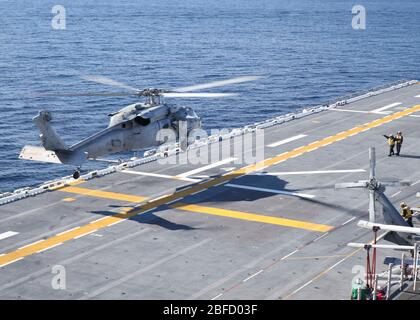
x,y
407,213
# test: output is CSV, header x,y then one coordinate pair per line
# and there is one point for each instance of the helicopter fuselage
x,y
137,127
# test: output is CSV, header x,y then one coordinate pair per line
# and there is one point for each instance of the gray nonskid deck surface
x,y
168,253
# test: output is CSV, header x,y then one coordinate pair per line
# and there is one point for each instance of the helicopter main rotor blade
x,y
87,94
372,158
346,185
109,82
371,205
216,84
196,95
395,183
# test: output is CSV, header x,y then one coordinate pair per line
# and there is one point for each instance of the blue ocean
x,y
307,50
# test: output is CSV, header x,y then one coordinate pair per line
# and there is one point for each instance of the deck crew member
x,y
398,142
407,213
391,143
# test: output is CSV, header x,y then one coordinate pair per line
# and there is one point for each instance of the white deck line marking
x,y
85,234
10,262
278,162
161,197
348,221
377,111
116,222
73,258
219,184
310,281
300,288
320,237
98,220
396,193
389,106
59,234
347,110
96,235
418,96
8,234
210,166
31,244
415,116
262,168
197,192
281,142
252,276
415,182
332,267
45,249
148,174
218,296
285,173
301,195
288,255
130,275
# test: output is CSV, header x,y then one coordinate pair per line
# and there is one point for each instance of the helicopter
x,y
133,128
400,232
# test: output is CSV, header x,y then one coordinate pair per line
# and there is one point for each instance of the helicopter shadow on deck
x,y
275,183
152,219
232,195
410,156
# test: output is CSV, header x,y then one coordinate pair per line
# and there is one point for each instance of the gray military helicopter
x,y
400,234
133,128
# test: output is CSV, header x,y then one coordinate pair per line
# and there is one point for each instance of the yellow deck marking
x,y
69,199
73,183
102,194
254,217
33,248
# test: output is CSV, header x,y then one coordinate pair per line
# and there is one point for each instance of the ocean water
x,y
307,50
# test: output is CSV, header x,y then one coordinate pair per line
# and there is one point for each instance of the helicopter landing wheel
x,y
76,174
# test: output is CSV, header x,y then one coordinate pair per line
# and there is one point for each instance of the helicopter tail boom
x,y
53,148
49,137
